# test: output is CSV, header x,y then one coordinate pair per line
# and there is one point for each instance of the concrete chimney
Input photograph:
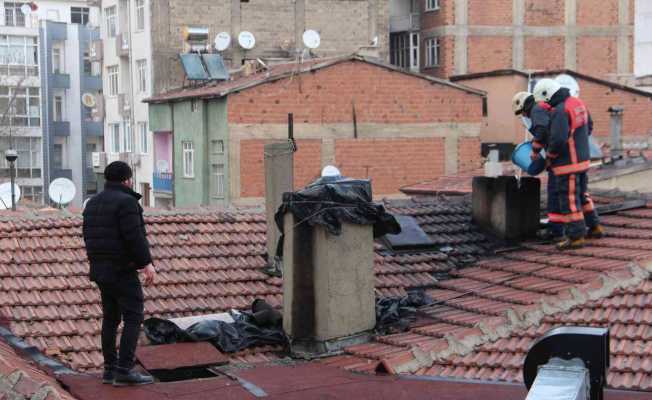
x,y
279,178
328,287
507,207
616,130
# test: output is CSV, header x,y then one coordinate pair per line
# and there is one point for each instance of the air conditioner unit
x,y
99,161
97,112
124,106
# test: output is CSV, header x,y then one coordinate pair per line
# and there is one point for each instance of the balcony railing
x,y
405,23
163,182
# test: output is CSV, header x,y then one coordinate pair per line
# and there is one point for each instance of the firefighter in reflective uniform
x,y
568,156
536,118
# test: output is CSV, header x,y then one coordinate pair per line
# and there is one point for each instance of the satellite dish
x,y
26,9
62,191
569,83
246,40
5,195
311,39
88,100
330,171
222,41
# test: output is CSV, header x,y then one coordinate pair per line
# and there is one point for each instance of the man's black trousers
x,y
122,300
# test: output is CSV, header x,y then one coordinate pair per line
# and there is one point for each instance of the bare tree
x,y
8,113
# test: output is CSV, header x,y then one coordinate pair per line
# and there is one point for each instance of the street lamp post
x,y
11,156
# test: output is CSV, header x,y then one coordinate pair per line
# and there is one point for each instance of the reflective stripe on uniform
x,y
572,168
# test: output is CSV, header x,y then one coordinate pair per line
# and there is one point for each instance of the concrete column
x,y
328,152
451,144
461,36
299,22
624,55
279,178
372,17
236,27
518,43
571,35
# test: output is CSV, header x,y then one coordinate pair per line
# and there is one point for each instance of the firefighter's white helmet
x,y
518,102
545,89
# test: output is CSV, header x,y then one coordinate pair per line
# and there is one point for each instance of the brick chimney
x,y
328,280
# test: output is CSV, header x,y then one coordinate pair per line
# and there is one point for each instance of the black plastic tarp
x,y
260,327
396,313
328,202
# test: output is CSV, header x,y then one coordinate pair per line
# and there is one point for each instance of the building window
x,y
112,76
88,64
128,138
115,137
111,21
32,194
79,15
140,14
18,56
57,156
13,15
400,50
432,5
58,108
142,136
141,68
188,159
218,179
432,52
57,59
91,148
29,156
218,147
23,105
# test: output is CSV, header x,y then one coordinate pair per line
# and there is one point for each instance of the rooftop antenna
x,y
5,195
222,41
62,191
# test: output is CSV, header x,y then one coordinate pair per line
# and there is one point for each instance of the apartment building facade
x,y
44,72
141,41
452,37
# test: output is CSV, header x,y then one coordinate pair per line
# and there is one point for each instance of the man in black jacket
x,y
117,248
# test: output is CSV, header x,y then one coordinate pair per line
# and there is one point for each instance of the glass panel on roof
x,y
215,65
193,67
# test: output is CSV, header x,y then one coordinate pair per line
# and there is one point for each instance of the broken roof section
x,y
208,261
288,70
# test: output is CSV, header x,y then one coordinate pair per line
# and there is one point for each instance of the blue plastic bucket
x,y
521,158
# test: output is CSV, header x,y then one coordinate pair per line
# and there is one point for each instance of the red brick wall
x,y
552,47
444,16
597,56
490,12
307,165
469,157
597,12
637,118
391,163
544,12
380,95
487,53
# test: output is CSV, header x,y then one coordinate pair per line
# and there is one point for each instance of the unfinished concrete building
x,y
452,37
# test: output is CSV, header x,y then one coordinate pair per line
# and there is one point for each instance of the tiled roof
x,y
208,262
523,293
20,379
627,312
287,70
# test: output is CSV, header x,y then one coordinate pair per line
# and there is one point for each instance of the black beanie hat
x,y
117,171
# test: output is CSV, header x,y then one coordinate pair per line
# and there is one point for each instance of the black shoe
x,y
108,376
131,378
